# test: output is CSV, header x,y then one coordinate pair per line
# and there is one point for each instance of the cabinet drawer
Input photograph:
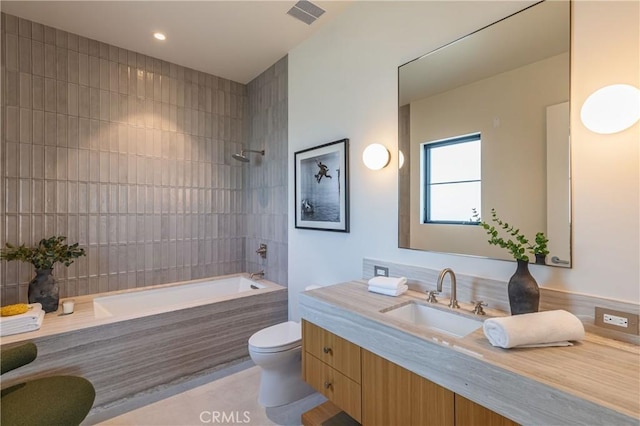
x,y
338,388
333,350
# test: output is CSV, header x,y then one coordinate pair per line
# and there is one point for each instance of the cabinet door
x,y
468,413
337,387
392,395
333,350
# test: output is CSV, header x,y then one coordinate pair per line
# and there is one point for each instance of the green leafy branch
x,y
46,254
518,244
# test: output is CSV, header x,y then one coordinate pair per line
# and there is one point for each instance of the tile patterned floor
x,y
231,400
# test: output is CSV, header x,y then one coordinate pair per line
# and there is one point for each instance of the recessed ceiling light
x,y
159,36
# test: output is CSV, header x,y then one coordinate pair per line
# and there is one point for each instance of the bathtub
x,y
133,342
174,297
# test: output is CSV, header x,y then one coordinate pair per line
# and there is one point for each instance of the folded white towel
x,y
29,321
550,328
389,291
387,282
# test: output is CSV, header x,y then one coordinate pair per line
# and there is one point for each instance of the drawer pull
x,y
328,385
326,350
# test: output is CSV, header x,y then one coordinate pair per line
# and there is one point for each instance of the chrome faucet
x,y
257,274
454,302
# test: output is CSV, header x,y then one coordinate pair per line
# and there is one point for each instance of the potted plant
x,y
524,294
43,288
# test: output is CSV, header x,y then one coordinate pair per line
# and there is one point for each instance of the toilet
x,y
277,351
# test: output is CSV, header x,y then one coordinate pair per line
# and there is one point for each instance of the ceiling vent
x,y
305,11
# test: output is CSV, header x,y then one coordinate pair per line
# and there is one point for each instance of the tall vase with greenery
x,y
524,293
49,251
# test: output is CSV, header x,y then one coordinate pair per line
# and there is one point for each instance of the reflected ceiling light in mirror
x,y
400,159
611,109
159,36
376,156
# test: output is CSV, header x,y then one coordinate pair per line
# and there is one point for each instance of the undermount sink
x,y
435,319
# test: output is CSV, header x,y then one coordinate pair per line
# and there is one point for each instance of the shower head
x,y
240,157
243,157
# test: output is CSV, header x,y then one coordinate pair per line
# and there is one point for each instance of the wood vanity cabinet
x,y
468,413
392,395
375,391
331,365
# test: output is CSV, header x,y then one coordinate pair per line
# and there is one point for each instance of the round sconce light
x,y
611,109
376,156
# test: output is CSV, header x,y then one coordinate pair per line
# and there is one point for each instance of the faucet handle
x,y
478,307
431,296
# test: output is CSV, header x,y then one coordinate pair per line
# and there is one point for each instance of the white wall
x,y
343,83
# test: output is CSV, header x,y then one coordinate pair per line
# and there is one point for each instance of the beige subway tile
x,y
50,59
104,74
73,67
50,194
72,99
72,158
37,196
62,129
37,91
94,103
62,66
37,163
72,42
73,131
83,69
26,122
50,101
62,100
50,158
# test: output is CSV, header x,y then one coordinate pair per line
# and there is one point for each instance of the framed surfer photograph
x,y
322,187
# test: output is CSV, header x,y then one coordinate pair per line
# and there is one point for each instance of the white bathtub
x,y
174,297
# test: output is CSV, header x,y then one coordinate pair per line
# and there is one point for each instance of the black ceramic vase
x,y
524,294
44,289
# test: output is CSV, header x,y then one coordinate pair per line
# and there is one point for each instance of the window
x,y
452,181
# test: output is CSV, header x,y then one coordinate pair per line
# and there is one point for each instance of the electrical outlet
x,y
617,320
380,271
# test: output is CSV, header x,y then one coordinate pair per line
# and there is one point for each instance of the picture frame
x,y
321,176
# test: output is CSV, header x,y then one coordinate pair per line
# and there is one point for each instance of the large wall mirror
x,y
484,123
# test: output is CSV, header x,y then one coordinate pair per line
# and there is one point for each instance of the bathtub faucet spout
x,y
259,274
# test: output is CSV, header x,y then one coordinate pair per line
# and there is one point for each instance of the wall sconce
x,y
611,109
376,156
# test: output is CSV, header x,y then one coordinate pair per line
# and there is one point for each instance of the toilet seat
x,y
277,338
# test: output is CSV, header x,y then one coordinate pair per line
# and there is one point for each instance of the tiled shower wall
x,y
266,177
126,154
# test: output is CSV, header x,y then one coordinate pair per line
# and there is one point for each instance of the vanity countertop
x,y
596,381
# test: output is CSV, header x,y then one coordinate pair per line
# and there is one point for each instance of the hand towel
x,y
29,321
550,328
389,291
387,282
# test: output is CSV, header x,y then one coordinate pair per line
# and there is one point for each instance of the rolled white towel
x,y
31,323
549,328
389,291
387,282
